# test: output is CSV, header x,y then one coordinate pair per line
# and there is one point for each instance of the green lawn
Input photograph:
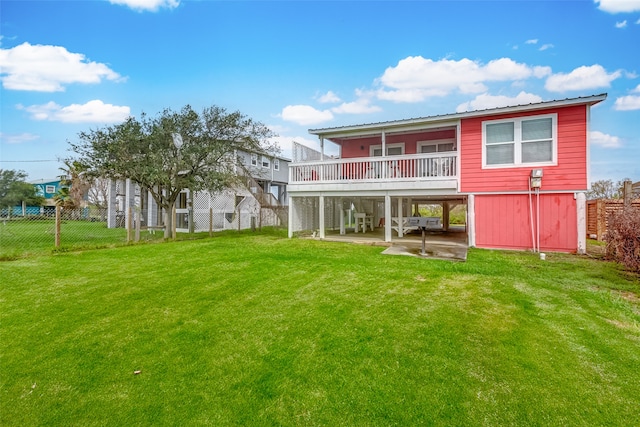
x,y
256,329
28,237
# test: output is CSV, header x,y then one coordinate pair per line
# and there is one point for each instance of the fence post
x,y
57,232
627,190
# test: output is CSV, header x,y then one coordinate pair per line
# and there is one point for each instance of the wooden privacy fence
x,y
598,213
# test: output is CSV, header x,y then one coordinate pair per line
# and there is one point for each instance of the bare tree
x,y
606,189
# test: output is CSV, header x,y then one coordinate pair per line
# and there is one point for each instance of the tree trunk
x,y
168,222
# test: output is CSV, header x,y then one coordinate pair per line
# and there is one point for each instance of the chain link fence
x,y
61,229
31,232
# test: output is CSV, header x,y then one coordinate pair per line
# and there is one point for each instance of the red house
x,y
521,172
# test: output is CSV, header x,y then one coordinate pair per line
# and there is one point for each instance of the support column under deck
x,y
400,216
445,215
292,207
581,207
471,220
387,216
321,216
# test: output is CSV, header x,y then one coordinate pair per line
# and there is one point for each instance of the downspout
x,y
533,239
538,218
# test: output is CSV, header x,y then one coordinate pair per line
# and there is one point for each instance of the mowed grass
x,y
19,238
28,237
256,329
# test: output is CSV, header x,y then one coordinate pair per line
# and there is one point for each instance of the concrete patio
x,y
439,244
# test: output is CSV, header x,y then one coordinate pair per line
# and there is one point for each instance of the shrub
x,y
623,238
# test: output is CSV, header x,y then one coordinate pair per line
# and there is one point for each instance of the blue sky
x,y
71,66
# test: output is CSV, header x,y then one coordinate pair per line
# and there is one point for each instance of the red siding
x,y
361,147
503,221
569,174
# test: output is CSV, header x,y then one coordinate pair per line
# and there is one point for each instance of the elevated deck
x,y
392,172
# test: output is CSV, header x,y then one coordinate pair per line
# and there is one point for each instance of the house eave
x,y
447,119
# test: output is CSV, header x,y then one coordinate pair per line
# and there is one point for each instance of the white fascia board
x,y
446,119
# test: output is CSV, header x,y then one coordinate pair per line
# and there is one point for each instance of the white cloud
x,y
94,111
17,138
618,6
362,104
329,98
356,107
592,77
622,24
147,5
531,41
629,102
486,101
416,78
546,47
305,115
48,68
604,140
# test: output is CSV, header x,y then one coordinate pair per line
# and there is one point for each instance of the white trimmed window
x,y
50,189
265,162
436,146
525,141
276,164
254,159
391,149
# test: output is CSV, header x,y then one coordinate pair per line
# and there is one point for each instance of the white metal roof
x,y
405,124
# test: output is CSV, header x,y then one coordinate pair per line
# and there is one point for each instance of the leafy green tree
x,y
75,185
14,190
173,151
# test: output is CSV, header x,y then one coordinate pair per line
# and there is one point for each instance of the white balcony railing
x,y
411,167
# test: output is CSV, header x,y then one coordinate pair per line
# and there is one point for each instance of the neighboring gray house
x,y
262,201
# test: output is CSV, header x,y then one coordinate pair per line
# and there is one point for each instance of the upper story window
x,y
254,159
50,189
265,162
391,149
520,141
276,164
439,146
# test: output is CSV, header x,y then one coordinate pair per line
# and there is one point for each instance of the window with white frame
x,y
254,159
50,189
265,162
396,149
436,146
520,141
276,164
